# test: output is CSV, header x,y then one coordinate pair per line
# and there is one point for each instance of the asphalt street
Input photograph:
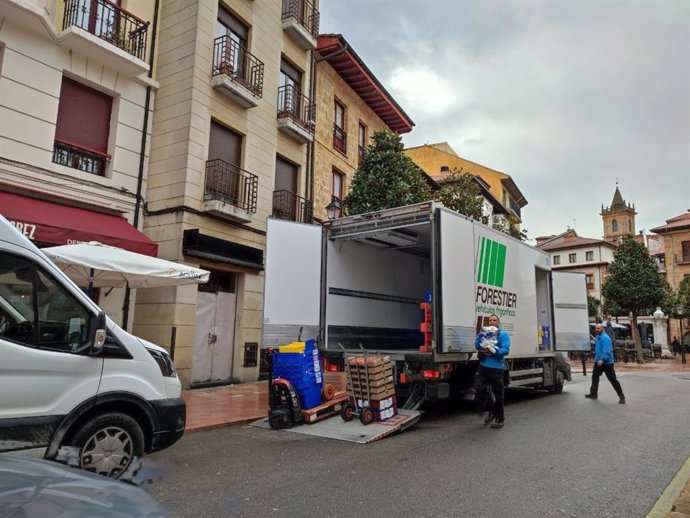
x,y
558,455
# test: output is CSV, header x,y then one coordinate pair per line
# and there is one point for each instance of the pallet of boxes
x,y
371,388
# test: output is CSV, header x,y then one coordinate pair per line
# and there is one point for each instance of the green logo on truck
x,y
491,264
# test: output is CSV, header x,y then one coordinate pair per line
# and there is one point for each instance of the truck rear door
x,y
454,283
292,286
570,322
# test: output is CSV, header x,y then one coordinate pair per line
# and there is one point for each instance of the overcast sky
x,y
566,96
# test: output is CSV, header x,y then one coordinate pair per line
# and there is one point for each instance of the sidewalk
x,y
240,404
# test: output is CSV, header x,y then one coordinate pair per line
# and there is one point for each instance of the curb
x,y
224,424
669,499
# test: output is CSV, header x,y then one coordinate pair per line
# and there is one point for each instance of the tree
x,y
593,304
387,177
684,296
459,192
634,283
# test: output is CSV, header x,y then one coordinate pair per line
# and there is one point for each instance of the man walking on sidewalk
x,y
603,363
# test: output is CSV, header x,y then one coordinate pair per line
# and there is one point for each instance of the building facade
x,y
439,160
231,136
571,252
676,235
351,106
76,92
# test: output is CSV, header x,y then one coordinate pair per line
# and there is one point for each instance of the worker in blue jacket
x,y
490,374
603,363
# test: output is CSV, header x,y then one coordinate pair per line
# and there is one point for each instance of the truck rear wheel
x,y
559,380
109,443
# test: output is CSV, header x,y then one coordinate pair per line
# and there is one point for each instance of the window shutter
x,y
286,176
83,116
225,144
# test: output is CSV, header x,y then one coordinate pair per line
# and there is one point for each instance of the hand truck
x,y
357,407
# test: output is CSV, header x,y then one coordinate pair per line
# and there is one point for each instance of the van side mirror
x,y
98,333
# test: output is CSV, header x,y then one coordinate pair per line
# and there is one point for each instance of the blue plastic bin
x,y
303,370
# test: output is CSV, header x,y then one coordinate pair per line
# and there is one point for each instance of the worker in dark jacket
x,y
490,374
603,363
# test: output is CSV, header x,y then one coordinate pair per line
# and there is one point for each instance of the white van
x,y
71,380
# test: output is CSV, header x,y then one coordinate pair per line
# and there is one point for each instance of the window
x,y
685,248
338,184
556,259
572,258
445,169
589,278
339,134
83,128
589,256
614,225
234,35
37,312
362,141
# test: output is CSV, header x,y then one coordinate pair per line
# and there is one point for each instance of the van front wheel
x,y
109,443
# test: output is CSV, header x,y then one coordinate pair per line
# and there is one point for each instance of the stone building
x,y
676,235
231,136
618,218
351,106
76,93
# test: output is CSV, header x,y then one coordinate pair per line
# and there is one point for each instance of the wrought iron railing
x,y
339,139
296,106
235,61
78,157
228,183
304,12
109,22
288,205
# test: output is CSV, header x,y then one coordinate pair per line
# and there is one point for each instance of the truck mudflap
x,y
353,431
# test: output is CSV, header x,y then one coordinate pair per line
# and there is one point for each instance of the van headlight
x,y
164,362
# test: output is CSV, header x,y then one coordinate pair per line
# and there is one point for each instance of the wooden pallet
x,y
327,409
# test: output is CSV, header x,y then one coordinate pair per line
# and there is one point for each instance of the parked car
x,y
40,488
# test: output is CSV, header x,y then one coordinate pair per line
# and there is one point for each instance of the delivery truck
x,y
417,283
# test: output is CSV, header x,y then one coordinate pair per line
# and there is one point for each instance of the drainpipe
x,y
142,152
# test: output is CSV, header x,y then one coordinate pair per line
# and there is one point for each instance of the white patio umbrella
x,y
94,265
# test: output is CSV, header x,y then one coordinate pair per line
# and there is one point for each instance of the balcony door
x,y
289,98
225,150
235,35
286,203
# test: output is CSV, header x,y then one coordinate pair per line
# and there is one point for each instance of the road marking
x,y
671,493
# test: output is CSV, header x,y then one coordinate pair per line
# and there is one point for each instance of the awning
x,y
52,223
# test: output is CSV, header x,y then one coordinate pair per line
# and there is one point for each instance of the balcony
x,y
514,207
296,114
339,139
81,158
301,22
236,73
289,206
230,191
103,31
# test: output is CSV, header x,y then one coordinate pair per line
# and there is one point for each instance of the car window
x,y
36,311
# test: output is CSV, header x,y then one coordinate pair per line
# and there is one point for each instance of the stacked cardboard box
x,y
371,379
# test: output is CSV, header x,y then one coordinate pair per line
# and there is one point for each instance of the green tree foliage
x,y
459,192
386,178
683,299
593,305
634,282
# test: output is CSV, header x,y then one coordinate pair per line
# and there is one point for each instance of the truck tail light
x,y
430,374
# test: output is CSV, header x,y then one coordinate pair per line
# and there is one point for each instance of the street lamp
x,y
333,208
683,359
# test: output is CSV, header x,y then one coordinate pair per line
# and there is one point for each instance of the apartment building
x,y
76,90
571,252
231,135
440,160
352,105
